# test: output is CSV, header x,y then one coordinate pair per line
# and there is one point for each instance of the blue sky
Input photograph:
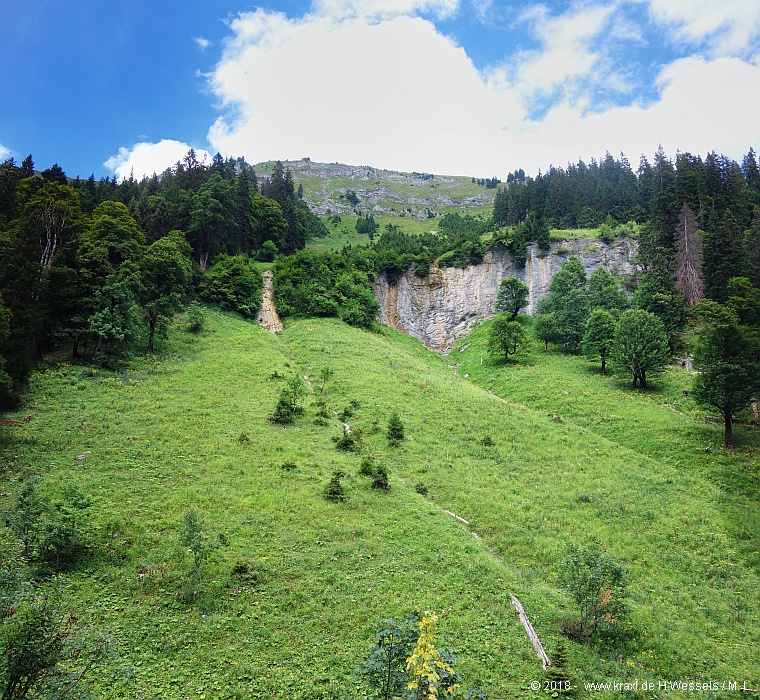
x,y
470,87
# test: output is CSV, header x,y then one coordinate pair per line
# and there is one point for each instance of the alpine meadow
x,y
304,430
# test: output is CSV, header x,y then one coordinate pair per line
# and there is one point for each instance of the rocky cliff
x,y
443,306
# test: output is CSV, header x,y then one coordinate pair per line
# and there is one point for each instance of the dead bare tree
x,y
689,279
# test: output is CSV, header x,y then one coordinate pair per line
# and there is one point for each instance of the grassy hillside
x,y
289,600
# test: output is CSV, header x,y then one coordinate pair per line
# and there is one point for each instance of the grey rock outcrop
x,y
445,305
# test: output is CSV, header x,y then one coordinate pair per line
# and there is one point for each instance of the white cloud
x,y
383,9
5,153
202,42
691,115
565,56
730,27
396,93
144,159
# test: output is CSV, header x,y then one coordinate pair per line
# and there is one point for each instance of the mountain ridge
x,y
382,191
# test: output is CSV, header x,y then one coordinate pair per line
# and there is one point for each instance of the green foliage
x,y
384,668
380,477
289,403
640,345
6,383
268,251
558,676
61,536
44,651
513,296
24,516
325,375
334,490
166,275
604,292
193,541
347,441
395,432
404,663
233,283
568,301
727,357
191,407
211,217
340,285
196,317
506,337
367,224
657,293
376,471
546,329
115,319
599,336
594,580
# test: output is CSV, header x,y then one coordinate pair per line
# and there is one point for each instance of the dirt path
x,y
268,317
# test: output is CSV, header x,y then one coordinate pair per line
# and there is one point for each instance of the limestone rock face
x,y
445,305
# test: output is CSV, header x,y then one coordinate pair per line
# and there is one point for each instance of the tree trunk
x,y
604,365
728,433
643,380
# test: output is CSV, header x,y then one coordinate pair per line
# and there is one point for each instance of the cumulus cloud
x,y
394,94
5,153
344,83
728,28
202,42
143,159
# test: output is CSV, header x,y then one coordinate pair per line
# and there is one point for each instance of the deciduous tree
x,y
599,336
513,296
505,337
640,345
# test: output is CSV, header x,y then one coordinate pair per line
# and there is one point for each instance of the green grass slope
x,y
289,600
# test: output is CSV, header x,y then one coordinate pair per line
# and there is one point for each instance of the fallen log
x,y
531,632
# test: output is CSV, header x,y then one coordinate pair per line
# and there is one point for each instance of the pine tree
x,y
723,255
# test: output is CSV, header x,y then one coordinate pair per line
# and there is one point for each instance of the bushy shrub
x,y
234,284
395,430
289,402
196,318
595,582
347,441
334,490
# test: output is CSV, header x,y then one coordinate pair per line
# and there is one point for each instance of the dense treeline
x,y
700,221
97,263
584,195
